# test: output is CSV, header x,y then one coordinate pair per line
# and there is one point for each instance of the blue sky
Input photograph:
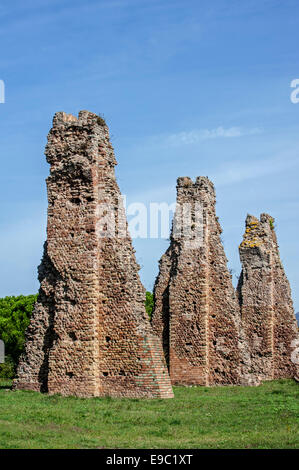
x,y
188,88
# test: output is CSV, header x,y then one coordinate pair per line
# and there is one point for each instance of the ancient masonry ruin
x,y
196,311
208,338
266,304
89,334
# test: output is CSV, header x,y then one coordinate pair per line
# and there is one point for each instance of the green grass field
x,y
224,417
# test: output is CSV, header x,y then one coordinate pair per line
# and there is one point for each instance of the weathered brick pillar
x,y
196,312
265,297
89,334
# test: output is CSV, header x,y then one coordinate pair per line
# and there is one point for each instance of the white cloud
x,y
198,135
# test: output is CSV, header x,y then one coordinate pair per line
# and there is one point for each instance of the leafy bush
x,y
15,313
149,304
271,222
7,370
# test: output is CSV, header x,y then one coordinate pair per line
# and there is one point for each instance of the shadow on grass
x,y
5,384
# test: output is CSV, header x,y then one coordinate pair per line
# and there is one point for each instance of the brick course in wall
x,y
89,334
196,311
266,304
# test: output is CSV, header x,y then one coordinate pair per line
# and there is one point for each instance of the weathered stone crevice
x,y
47,274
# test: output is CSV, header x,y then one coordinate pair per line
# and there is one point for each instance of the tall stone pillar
x,y
266,305
89,334
196,312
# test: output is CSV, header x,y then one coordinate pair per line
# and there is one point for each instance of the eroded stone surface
x,y
266,304
196,310
89,334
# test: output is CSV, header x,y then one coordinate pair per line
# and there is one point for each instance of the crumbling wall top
x,y
201,188
84,118
79,138
258,232
264,219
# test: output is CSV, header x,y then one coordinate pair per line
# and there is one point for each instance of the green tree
x,y
149,303
15,313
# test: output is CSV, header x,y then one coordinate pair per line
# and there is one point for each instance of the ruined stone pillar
x,y
89,334
196,312
266,305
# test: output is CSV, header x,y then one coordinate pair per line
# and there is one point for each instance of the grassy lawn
x,y
224,417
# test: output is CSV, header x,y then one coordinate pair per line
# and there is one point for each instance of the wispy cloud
x,y
198,135
238,171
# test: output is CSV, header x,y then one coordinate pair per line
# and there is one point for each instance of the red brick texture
x,y
196,311
89,334
266,304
